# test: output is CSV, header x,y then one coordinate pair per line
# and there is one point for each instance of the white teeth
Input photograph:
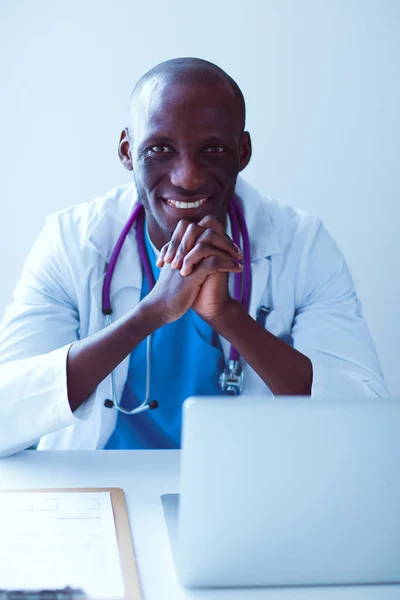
x,y
178,204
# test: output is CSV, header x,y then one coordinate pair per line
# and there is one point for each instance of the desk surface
x,y
144,476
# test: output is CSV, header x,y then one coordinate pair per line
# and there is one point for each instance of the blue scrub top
x,y
186,360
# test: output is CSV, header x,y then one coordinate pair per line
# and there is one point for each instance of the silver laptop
x,y
287,491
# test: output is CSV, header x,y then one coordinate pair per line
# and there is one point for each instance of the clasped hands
x,y
195,266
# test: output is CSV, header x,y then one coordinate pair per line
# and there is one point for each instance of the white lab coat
x,y
297,271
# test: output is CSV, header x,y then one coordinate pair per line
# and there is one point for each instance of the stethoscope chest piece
x,y
231,378
150,405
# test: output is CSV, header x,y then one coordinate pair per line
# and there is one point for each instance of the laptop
x,y
287,491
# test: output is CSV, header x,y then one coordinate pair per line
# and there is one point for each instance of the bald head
x,y
196,73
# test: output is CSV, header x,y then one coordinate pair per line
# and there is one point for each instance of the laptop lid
x,y
289,491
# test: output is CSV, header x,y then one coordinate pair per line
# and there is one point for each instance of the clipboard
x,y
122,527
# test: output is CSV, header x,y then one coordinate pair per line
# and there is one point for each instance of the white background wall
x,y
322,83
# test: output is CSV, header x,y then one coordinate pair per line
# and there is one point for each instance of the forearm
x,y
91,359
283,369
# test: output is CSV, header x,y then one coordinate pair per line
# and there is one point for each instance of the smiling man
x,y
175,279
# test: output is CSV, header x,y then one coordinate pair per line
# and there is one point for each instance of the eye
x,y
159,149
215,149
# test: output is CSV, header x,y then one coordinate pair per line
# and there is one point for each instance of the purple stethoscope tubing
x,y
135,216
242,284
242,281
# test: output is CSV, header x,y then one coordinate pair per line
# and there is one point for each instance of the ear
x,y
244,150
124,149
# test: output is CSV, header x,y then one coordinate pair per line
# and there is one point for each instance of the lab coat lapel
x,y
264,241
127,277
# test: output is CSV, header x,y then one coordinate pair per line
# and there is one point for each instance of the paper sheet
x,y
51,540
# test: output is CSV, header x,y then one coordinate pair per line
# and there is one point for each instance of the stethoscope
x,y
231,378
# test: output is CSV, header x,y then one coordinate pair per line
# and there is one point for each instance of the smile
x,y
186,205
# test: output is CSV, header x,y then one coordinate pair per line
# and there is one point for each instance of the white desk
x,y
144,476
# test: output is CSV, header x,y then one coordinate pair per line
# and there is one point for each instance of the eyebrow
x,y
156,138
163,139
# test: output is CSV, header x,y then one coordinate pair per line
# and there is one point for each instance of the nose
x,y
186,174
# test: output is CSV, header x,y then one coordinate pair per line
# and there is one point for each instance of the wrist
x,y
151,313
225,316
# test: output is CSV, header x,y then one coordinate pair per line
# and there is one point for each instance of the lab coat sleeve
x,y
329,326
35,335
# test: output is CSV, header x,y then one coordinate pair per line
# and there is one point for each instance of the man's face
x,y
186,147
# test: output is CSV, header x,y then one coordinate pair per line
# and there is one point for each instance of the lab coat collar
x,y
104,230
119,203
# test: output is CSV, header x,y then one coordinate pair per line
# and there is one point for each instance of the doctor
x,y
302,333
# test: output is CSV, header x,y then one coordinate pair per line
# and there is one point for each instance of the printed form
x,y
52,540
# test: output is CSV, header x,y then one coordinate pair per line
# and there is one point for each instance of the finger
x,y
176,239
195,234
188,241
163,252
217,264
213,233
209,237
211,222
199,253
